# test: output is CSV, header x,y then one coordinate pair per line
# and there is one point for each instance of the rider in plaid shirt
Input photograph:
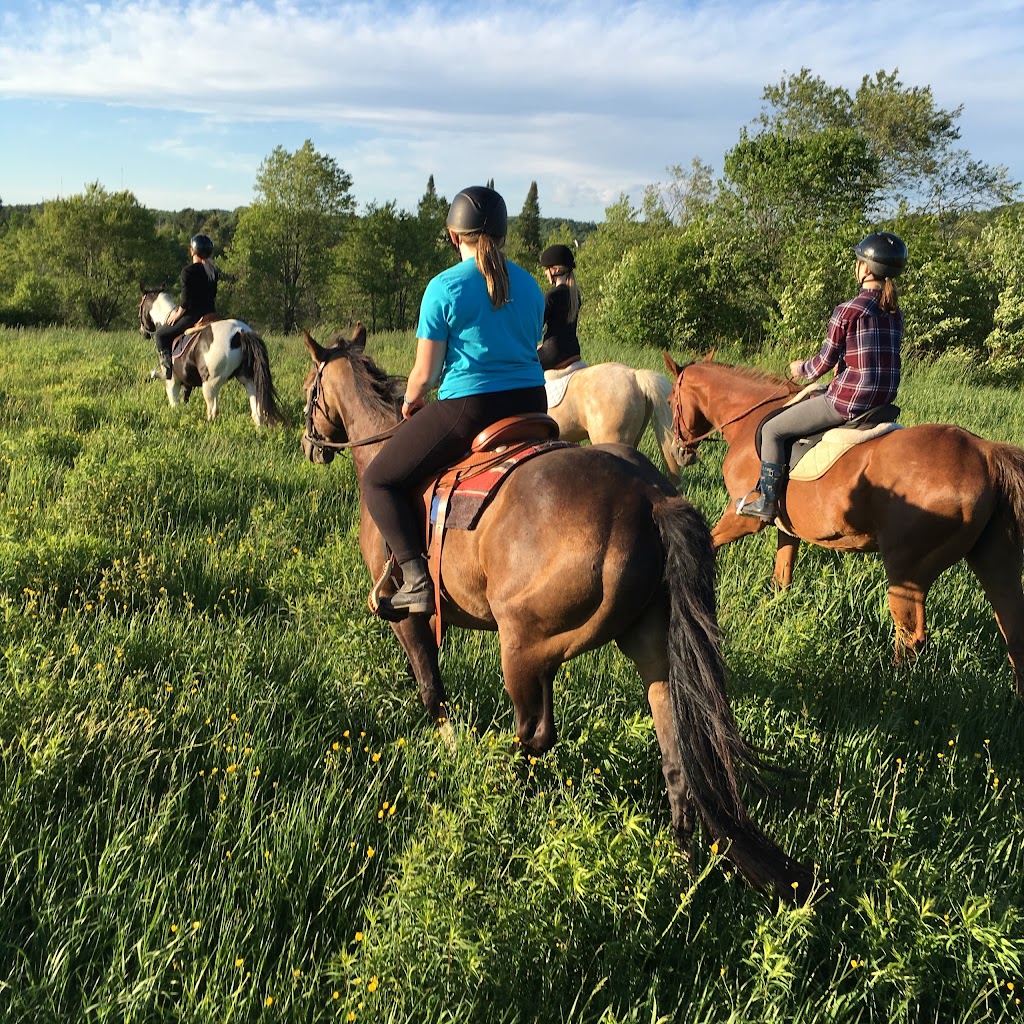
x,y
863,343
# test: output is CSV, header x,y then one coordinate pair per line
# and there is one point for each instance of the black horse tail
x,y
257,363
712,752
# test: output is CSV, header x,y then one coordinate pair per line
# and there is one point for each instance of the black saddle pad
x,y
798,447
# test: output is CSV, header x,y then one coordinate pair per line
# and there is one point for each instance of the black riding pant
x,y
436,436
164,336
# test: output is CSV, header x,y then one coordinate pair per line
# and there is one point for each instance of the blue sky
x,y
180,101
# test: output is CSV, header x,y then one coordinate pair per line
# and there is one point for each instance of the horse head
x,y
154,308
345,390
690,423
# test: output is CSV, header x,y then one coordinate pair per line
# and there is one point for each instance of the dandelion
x,y
714,848
371,985
239,962
376,757
269,1001
351,1016
296,973
370,851
335,745
359,936
195,925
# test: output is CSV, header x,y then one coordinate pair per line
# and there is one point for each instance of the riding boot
x,y
165,364
416,594
766,505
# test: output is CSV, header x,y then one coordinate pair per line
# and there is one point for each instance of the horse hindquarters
x,y
254,374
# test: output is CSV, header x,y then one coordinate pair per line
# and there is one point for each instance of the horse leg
x,y
529,681
254,406
173,389
785,559
210,389
732,526
646,645
416,636
997,562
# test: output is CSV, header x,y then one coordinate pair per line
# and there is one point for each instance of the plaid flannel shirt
x,y
863,344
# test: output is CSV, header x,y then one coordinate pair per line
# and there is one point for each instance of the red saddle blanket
x,y
460,507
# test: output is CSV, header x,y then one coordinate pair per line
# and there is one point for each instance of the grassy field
x,y
221,800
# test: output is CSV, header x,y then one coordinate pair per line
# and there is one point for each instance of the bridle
x,y
145,317
687,446
313,437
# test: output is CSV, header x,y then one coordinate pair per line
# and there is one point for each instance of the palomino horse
x,y
923,498
222,350
612,402
636,567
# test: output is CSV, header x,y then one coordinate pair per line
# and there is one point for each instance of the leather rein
x,y
315,438
689,445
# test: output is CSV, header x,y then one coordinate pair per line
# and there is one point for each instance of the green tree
x,y
524,234
913,141
1004,260
282,253
96,249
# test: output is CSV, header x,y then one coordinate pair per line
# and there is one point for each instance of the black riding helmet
x,y
558,256
202,245
883,252
479,209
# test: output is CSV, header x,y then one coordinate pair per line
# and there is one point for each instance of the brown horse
x,y
923,498
636,567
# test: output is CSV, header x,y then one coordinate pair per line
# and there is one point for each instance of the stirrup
x,y
743,504
374,597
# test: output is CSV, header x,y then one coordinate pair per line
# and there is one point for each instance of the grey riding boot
x,y
766,505
416,594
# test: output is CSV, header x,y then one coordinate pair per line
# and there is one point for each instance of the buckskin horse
x,y
212,354
613,402
636,567
924,498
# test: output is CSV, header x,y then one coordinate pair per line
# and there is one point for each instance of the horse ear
x,y
358,341
316,352
670,364
710,355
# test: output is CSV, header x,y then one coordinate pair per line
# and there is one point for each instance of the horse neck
x,y
362,418
730,398
163,306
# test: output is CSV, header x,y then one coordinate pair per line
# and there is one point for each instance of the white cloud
x,y
594,98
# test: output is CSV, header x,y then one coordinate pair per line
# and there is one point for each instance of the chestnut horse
x,y
923,498
636,567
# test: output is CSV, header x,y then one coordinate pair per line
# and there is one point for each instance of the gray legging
x,y
806,417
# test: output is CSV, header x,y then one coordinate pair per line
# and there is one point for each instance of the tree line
x,y
759,254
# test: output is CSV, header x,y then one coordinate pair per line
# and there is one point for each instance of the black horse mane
x,y
379,389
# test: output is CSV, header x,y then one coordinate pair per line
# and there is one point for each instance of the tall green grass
x,y
221,800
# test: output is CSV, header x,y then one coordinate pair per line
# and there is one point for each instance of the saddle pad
x,y
833,444
557,384
183,343
470,496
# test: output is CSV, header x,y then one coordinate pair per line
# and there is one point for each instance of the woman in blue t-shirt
x,y
479,326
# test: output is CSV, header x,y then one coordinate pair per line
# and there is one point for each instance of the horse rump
x,y
256,364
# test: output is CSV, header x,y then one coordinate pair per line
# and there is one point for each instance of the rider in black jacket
x,y
198,297
560,347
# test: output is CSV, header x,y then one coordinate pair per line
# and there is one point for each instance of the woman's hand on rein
x,y
408,408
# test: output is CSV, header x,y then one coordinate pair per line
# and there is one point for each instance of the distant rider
x,y
198,297
560,346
